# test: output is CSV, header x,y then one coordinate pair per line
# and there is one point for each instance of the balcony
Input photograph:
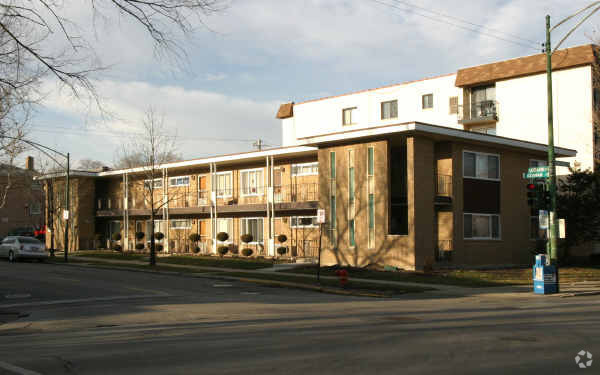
x,y
250,199
443,189
483,112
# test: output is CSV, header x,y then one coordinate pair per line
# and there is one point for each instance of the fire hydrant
x,y
342,276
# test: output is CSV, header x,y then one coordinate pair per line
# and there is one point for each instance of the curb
x,y
213,276
579,294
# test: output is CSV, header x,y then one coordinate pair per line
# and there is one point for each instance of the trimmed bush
x,y
139,246
281,250
197,249
281,238
222,236
194,237
159,235
117,248
246,238
247,252
158,247
116,237
234,250
139,235
222,250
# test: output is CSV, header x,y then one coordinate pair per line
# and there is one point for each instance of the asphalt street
x,y
61,319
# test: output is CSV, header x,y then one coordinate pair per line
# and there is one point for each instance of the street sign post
x,y
543,219
321,221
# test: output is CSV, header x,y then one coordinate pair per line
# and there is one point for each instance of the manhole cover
x,y
17,296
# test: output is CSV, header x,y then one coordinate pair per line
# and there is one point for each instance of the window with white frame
x,y
481,165
224,185
35,208
303,222
481,226
254,227
157,184
252,181
181,224
389,109
534,163
348,115
225,225
179,181
305,169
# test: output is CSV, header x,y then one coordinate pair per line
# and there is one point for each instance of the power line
x,y
529,46
465,21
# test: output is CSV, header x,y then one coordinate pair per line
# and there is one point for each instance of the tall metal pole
x,y
67,215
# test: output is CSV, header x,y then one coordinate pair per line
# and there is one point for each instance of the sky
x,y
246,60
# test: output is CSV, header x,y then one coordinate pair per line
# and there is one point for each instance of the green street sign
x,y
537,172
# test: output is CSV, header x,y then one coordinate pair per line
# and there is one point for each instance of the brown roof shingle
x,y
286,110
523,66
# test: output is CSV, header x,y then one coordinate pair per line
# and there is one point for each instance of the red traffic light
x,y
530,186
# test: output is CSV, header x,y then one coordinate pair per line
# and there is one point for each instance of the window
x,y
179,181
389,110
596,99
351,208
453,105
303,222
348,116
533,163
253,227
225,225
35,208
224,184
332,164
483,102
480,165
158,183
305,169
491,130
252,182
181,224
332,198
427,101
481,226
159,226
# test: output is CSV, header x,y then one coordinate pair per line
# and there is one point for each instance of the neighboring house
x,y
506,98
24,203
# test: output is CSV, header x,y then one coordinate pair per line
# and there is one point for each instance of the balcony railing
x,y
443,186
296,193
444,250
483,111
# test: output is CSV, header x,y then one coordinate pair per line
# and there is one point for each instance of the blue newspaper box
x,y
544,276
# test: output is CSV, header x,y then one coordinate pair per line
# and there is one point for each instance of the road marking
x,y
17,296
222,285
97,299
17,370
250,293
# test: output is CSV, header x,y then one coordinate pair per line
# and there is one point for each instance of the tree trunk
x,y
152,243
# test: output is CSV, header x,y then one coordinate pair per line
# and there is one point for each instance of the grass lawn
x,y
186,260
124,265
385,290
467,278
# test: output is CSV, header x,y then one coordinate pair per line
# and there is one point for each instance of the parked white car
x,y
18,247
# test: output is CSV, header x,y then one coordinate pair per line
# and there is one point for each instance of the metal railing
x,y
479,111
306,192
303,248
443,185
444,250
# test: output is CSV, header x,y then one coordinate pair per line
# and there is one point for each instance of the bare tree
x,y
151,149
90,164
130,160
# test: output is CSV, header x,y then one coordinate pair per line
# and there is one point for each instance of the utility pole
x,y
68,213
553,233
258,144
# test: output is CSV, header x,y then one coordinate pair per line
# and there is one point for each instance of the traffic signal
x,y
545,201
531,195
537,198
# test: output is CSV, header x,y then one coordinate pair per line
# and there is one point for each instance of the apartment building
x,y
412,174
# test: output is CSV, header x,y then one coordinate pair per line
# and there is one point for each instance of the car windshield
x,y
29,240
